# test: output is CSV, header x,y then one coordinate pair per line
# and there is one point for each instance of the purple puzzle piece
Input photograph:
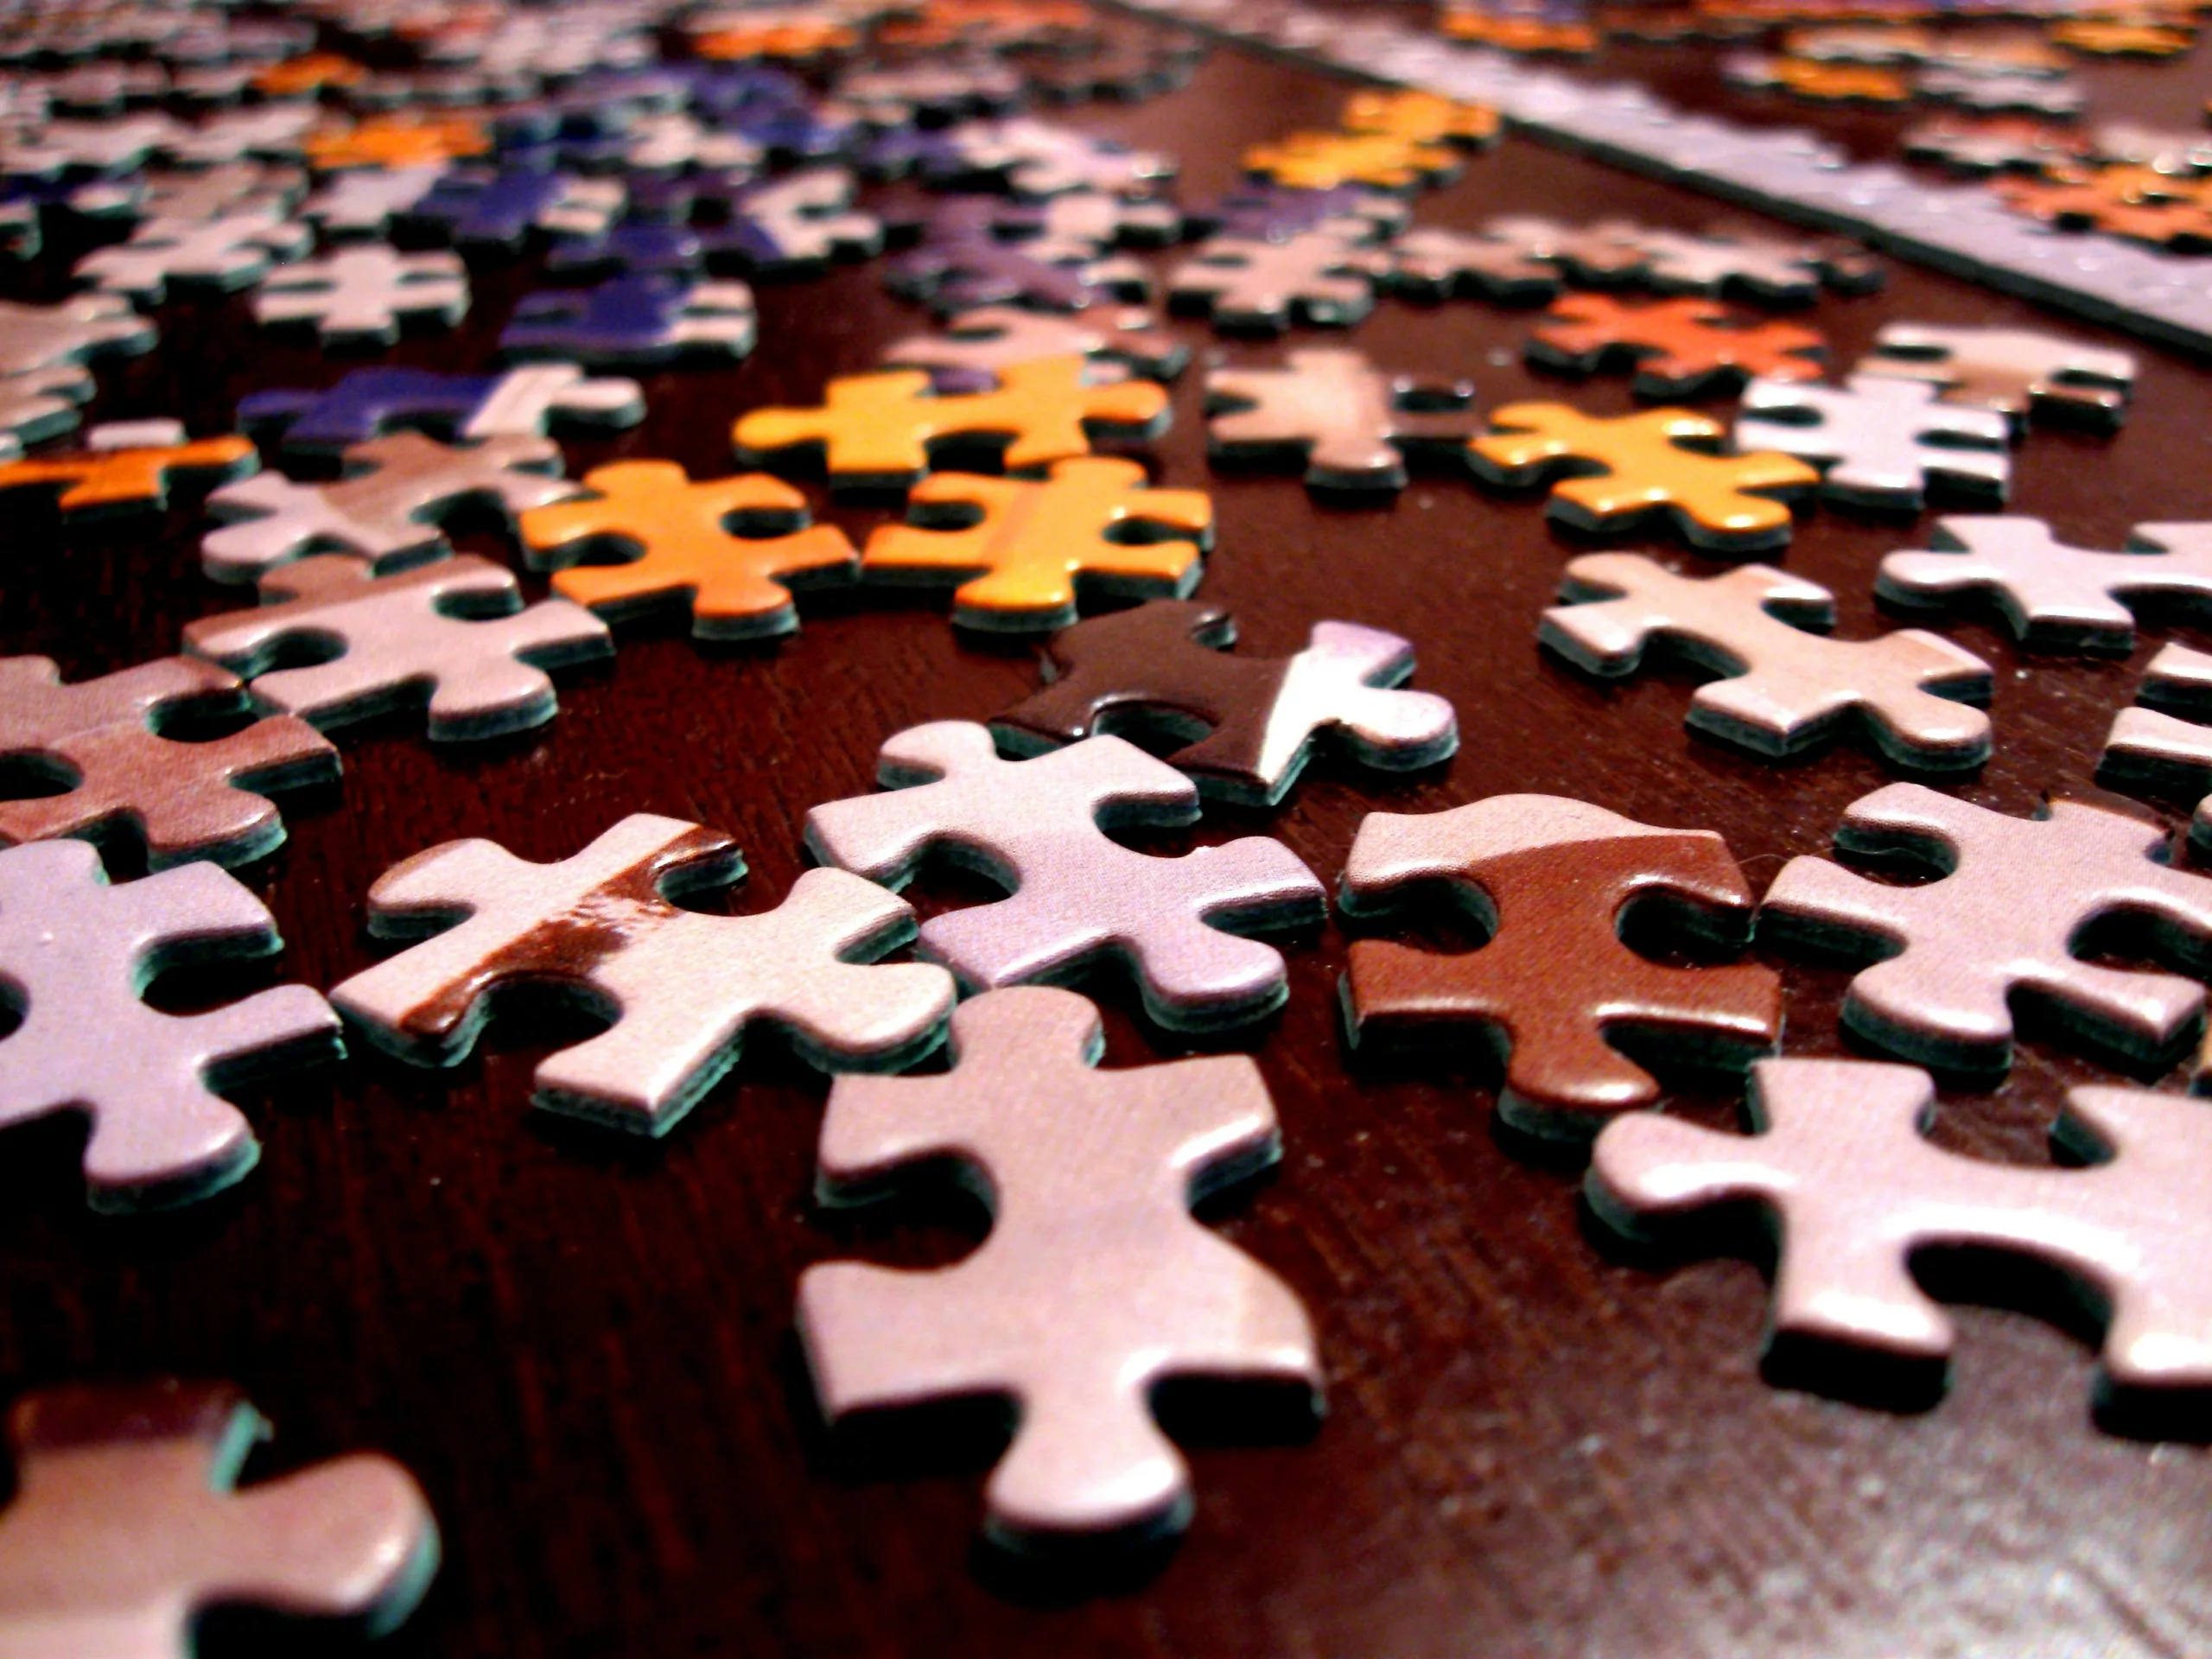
x,y
369,402
642,319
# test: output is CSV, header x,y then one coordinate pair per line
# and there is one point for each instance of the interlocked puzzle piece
x,y
361,294
126,1526
1620,469
1677,346
232,250
1351,425
364,203
1783,689
2015,370
1842,1162
677,544
1323,161
685,987
642,321
2017,895
1077,897
977,345
1424,118
1095,1285
1312,277
502,207
2167,741
965,263
453,635
1881,443
796,225
1017,549
1168,664
2049,593
108,477
877,430
77,953
1764,268
386,511
101,739
471,408
1551,878
1437,263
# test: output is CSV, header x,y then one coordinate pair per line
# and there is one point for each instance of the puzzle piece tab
x,y
2166,742
1095,1284
2017,371
361,294
1880,443
102,479
1351,425
1437,263
1678,348
1263,287
638,322
685,987
366,404
1078,898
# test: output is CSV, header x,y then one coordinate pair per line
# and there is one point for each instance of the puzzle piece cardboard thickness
x,y
644,320
976,346
2019,371
1352,426
101,480
468,408
1252,286
1677,347
2165,743
359,295
1880,443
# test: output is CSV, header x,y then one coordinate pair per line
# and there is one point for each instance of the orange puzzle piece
x,y
1612,471
1836,83
1420,118
876,429
772,36
1678,346
2116,205
738,584
1323,161
988,25
1035,539
394,141
2115,37
1529,36
128,479
303,77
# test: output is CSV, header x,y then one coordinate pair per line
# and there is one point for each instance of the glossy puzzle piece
x,y
1678,348
130,477
126,1526
452,636
44,339
876,431
361,294
504,206
408,140
641,321
1553,880
386,511
2050,595
1881,443
1840,1157
1078,898
1352,426
1424,118
77,953
40,403
1168,664
976,346
2017,371
1035,158
1085,224
1308,159
1824,82
366,404
1095,1285
364,204
1437,263
2166,742
737,582
1263,287
685,987
1783,688
229,251
101,737
1620,469
2017,895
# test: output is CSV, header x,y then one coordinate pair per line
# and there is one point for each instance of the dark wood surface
x,y
583,1346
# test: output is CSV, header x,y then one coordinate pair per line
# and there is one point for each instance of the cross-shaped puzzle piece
x,y
680,546
106,477
1168,664
1554,981
2013,370
639,321
1323,161
1785,689
1351,425
1095,1284
2017,895
2167,741
1880,443
230,251
453,635
1423,116
361,294
1437,263
684,986
1262,286
1678,348
1077,897
502,207
470,409
977,345
1621,469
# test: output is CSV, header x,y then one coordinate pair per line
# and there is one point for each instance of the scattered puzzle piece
x,y
361,294
103,478
101,737
2015,370
1836,83
386,511
2167,742
1078,896
965,264
1841,1161
976,346
1311,276
796,225
1677,346
1783,689
502,207
639,321
1166,665
2120,38
878,430
1881,443
679,546
1621,469
1608,252
1553,880
684,986
1763,268
1268,213
230,251
1095,1285
364,203
2096,204
76,954
2050,595
1422,118
1323,161
1351,425
469,408
2001,144
2004,918
1438,264
407,140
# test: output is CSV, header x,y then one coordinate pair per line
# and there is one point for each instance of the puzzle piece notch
x,y
77,953
1677,347
103,479
1881,443
1785,689
684,986
2167,741
361,294
1092,1174
2003,921
644,320
1168,663
2015,370
1262,286
1352,426
1840,1156
1554,879
976,345
1077,896
472,409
